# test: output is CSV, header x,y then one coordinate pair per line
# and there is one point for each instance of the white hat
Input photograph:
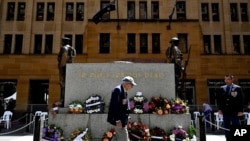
x,y
129,79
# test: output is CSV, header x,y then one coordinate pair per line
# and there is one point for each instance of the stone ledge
x,y
98,125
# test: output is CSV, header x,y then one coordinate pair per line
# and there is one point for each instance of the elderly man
x,y
119,108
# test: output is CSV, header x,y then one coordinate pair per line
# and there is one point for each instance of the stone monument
x,y
84,80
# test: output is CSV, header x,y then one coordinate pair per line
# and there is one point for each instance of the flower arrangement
x,y
159,105
178,134
158,134
138,104
55,108
178,106
94,104
108,135
75,107
138,131
80,134
192,132
52,132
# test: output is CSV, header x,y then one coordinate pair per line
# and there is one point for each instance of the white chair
x,y
218,118
6,118
195,114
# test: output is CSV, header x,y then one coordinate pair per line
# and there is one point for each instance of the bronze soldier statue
x,y
174,55
66,55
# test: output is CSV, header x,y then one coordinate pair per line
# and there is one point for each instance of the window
x,y
131,10
21,11
244,12
105,16
207,44
246,42
234,12
205,12
80,11
38,44
79,44
236,44
69,11
143,43
131,43
245,85
18,44
10,11
48,44
104,43
189,92
50,11
213,90
38,95
155,10
215,12
183,44
217,44
181,10
40,12
143,10
7,44
156,43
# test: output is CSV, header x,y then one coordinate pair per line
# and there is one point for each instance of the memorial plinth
x,y
84,80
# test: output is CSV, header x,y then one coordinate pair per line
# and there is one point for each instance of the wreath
x,y
138,104
108,135
80,134
178,134
178,106
159,105
94,104
75,107
158,134
138,131
52,132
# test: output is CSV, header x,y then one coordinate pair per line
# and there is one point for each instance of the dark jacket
x,y
230,104
118,106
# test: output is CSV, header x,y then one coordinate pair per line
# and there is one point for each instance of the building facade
x,y
217,33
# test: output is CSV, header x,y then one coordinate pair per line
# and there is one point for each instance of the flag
x,y
99,16
171,16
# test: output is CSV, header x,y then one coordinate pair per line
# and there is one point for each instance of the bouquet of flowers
x,y
52,132
159,105
94,104
138,104
75,107
158,133
108,135
178,134
80,134
138,131
178,106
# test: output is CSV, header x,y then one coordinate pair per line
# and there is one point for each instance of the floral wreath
x,y
138,131
52,132
178,134
108,135
75,107
178,106
159,105
80,134
158,133
138,104
94,104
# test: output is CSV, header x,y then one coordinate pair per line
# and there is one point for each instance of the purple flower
x,y
132,104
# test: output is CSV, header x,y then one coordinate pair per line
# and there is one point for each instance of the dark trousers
x,y
228,121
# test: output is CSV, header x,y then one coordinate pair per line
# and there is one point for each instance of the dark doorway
x,y
38,95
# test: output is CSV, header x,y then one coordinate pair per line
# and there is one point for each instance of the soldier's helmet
x,y
65,40
174,39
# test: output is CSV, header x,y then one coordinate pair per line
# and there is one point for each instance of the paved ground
x,y
30,138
